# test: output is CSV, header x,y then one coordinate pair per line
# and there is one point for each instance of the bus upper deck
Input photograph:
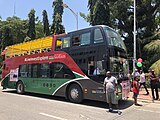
x,y
31,47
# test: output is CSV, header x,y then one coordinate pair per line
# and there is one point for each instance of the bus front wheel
x,y
75,93
20,88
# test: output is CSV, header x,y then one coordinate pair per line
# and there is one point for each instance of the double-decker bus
x,y
72,65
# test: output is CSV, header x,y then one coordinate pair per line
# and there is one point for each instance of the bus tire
x,y
20,87
75,93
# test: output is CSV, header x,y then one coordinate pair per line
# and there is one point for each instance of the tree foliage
x,y
39,29
45,23
31,26
57,27
99,12
153,52
12,31
8,37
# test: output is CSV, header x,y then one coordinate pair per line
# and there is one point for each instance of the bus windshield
x,y
114,38
119,66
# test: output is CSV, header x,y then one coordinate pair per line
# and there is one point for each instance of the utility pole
x,y
134,54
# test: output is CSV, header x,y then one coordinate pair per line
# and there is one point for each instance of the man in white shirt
x,y
143,81
111,89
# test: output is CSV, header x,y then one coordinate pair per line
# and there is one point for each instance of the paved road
x,y
41,107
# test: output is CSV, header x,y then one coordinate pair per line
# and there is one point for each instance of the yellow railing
x,y
31,47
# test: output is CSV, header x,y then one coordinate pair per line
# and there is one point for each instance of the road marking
x,y
83,117
148,111
51,116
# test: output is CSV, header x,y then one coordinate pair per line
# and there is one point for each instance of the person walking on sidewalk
x,y
111,90
135,90
154,84
143,81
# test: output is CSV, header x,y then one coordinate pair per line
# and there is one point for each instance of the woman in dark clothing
x,y
154,84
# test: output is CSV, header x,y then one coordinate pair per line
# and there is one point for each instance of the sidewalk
x,y
145,98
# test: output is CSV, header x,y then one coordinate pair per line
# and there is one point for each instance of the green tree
x,y
39,29
18,28
31,26
7,37
152,52
99,12
45,23
57,27
122,20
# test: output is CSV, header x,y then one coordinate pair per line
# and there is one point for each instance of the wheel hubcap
x,y
19,88
74,93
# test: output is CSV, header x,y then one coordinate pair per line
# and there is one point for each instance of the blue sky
x,y
23,7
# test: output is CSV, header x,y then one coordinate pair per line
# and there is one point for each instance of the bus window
x,y
99,70
91,66
119,65
58,44
76,41
114,38
101,67
35,70
29,70
98,38
23,72
85,38
66,42
60,70
44,71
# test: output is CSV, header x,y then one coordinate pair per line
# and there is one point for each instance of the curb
x,y
146,101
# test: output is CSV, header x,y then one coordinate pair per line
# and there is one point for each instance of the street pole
x,y
134,56
76,15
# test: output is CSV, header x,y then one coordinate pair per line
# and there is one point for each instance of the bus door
x,y
4,74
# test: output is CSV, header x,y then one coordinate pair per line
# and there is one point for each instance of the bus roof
x,y
28,47
99,26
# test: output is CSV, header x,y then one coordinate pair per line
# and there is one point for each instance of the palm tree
x,y
153,50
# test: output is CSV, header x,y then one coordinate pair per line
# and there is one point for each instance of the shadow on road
x,y
123,104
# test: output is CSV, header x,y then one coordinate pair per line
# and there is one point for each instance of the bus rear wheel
x,y
75,93
20,88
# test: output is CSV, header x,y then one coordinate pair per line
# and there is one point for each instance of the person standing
x,y
135,90
154,85
111,90
143,81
